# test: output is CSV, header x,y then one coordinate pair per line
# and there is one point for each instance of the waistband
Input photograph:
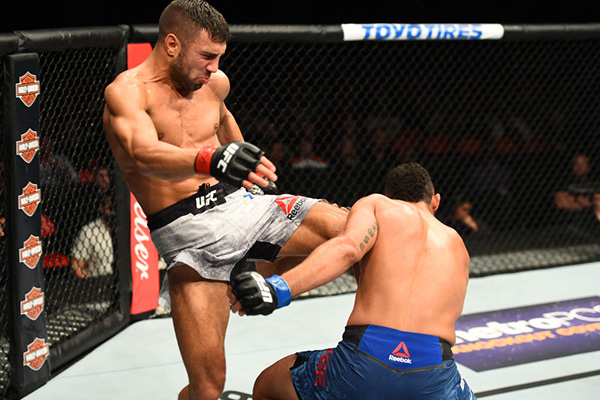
x,y
398,349
206,198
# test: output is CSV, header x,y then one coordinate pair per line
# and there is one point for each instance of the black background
x,y
58,14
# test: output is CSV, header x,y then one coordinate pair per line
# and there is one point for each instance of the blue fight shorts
x,y
375,362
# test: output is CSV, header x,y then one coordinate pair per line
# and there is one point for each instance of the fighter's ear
x,y
172,45
435,201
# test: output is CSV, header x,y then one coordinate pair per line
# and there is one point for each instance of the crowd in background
x,y
494,172
496,177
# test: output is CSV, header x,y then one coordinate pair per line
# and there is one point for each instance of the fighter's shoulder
x,y
453,234
383,202
382,206
453,237
127,87
219,82
369,201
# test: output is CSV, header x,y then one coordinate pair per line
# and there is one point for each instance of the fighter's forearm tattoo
x,y
370,233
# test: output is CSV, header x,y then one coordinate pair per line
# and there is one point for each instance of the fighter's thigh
x,y
323,222
275,382
200,312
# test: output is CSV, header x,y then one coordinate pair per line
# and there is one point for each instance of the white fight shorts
x,y
221,226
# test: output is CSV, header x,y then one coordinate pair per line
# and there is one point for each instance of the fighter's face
x,y
198,59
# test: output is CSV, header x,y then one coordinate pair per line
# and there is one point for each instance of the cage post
x,y
30,362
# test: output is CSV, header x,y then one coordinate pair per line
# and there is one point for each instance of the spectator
x,y
97,178
102,181
261,130
458,216
294,129
308,171
407,144
508,127
380,151
573,193
276,152
384,116
380,158
339,126
92,252
491,180
306,157
596,205
347,168
575,197
55,167
347,153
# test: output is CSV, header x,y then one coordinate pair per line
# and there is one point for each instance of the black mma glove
x,y
270,189
231,163
260,296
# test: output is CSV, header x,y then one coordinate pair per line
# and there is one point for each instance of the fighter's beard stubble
x,y
181,76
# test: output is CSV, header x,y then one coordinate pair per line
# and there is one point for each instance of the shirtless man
x,y
182,155
412,283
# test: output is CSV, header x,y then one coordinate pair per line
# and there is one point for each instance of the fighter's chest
x,y
186,121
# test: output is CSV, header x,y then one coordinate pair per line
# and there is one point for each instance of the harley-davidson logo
x,y
29,199
28,89
36,354
28,145
31,251
33,305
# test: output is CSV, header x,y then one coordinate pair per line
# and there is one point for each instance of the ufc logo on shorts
x,y
206,200
227,154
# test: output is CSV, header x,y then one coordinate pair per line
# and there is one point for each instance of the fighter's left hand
x,y
266,169
234,304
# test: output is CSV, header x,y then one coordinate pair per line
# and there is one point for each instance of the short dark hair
x,y
409,182
185,18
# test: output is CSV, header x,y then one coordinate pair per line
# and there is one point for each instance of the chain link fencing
x,y
78,224
497,123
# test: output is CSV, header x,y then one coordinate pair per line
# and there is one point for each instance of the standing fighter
x,y
412,282
182,154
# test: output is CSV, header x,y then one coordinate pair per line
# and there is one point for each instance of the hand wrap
x,y
231,163
259,295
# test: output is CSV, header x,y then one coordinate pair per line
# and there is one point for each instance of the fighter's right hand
x,y
258,295
237,163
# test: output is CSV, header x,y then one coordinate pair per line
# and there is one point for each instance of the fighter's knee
x,y
182,274
337,218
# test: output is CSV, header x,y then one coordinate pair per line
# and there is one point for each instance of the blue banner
x,y
522,335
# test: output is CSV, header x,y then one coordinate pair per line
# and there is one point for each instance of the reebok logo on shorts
x,y
286,203
290,205
401,354
401,350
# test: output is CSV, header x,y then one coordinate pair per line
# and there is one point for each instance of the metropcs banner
x,y
522,335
